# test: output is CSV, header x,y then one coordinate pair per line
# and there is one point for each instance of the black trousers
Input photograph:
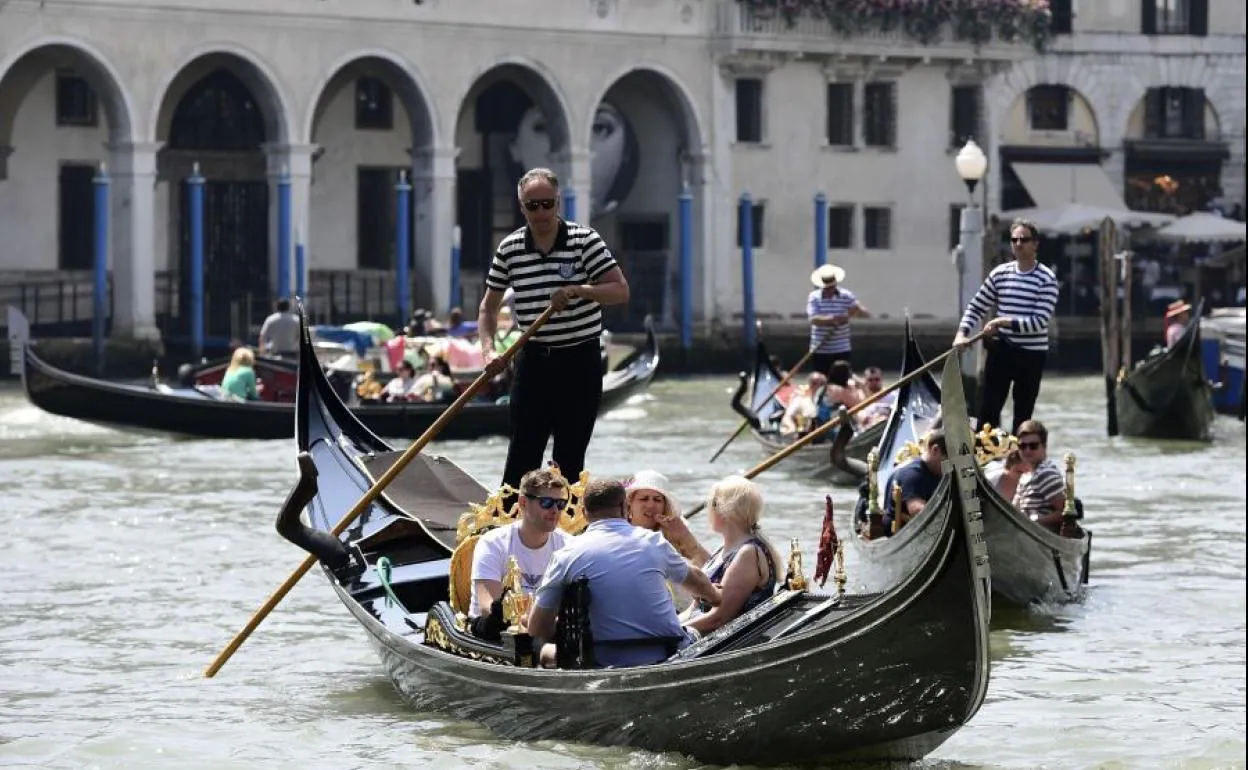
x,y
822,362
555,393
1008,365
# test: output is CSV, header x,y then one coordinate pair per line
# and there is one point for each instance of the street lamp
x,y
971,164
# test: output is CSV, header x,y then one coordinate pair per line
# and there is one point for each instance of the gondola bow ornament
x,y
828,543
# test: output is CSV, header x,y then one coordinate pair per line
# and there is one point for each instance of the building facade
x,y
632,102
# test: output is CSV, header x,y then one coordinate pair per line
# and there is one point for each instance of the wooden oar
x,y
371,495
783,381
836,419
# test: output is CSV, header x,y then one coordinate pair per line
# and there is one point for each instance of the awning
x,y
1052,185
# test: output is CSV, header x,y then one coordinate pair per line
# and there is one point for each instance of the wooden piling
x,y
1111,357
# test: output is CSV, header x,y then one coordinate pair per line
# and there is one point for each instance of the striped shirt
x,y
1036,488
835,338
1028,298
579,256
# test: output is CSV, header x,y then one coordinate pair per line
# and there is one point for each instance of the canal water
x,y
132,560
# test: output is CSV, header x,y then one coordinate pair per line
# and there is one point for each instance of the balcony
x,y
840,27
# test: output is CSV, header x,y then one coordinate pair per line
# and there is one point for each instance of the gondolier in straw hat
x,y
557,384
830,308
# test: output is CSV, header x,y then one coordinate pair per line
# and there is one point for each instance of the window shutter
x,y
1148,17
1194,113
890,116
1198,18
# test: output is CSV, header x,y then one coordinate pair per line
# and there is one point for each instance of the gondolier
x,y
558,375
1024,293
830,308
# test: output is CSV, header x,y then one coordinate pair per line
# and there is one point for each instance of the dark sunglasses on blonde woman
x,y
542,203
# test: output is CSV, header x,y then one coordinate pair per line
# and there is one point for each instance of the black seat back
x,y
574,643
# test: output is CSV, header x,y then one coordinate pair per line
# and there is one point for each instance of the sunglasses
x,y
547,503
1020,240
540,203
1029,445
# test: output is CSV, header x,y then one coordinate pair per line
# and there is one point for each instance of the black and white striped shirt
x,y
1027,297
579,256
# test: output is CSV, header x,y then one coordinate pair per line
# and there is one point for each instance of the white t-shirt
x,y
489,559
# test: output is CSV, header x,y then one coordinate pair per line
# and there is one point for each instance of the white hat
x,y
655,482
825,274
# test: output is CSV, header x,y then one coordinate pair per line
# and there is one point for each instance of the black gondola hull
x,y
886,677
1168,396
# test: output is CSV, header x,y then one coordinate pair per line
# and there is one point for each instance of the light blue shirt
x,y
627,568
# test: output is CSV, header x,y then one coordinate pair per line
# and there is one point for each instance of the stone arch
x,y
646,144
1051,70
538,82
404,80
272,97
1179,72
24,67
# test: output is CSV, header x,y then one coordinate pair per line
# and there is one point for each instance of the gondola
x,y
1167,395
764,415
200,412
1030,563
804,677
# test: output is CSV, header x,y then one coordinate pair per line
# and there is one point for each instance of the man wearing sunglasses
x,y
1041,493
557,384
1024,293
533,539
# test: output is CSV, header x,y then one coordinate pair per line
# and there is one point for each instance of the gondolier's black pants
x,y
822,362
555,393
1004,366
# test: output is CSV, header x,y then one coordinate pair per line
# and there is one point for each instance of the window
x,y
749,110
1174,113
374,105
1175,17
879,114
756,224
955,225
1062,17
841,114
841,226
77,212
965,114
1048,108
75,101
877,228
376,205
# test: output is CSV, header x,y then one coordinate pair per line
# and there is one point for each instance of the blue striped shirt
x,y
1028,298
835,338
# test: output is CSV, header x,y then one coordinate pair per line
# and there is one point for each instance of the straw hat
x,y
825,274
1176,307
655,482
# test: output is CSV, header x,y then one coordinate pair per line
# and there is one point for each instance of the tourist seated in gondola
x,y
632,617
239,381
873,383
652,506
917,481
456,326
400,388
842,389
533,539
436,384
1006,473
745,566
803,407
1041,494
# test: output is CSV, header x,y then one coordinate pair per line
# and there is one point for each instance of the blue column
x,y
403,248
283,234
456,241
686,268
195,189
300,267
99,289
569,204
821,230
747,268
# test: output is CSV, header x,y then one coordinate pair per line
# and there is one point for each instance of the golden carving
x,y
873,481
898,511
1070,485
516,602
840,577
795,579
437,636
993,444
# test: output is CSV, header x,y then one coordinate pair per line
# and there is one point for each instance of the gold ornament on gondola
x,y
795,580
993,444
1070,509
516,603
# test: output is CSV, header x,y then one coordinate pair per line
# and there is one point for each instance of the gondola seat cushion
x,y
461,574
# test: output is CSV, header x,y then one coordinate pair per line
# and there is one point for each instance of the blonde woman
x,y
239,381
745,566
